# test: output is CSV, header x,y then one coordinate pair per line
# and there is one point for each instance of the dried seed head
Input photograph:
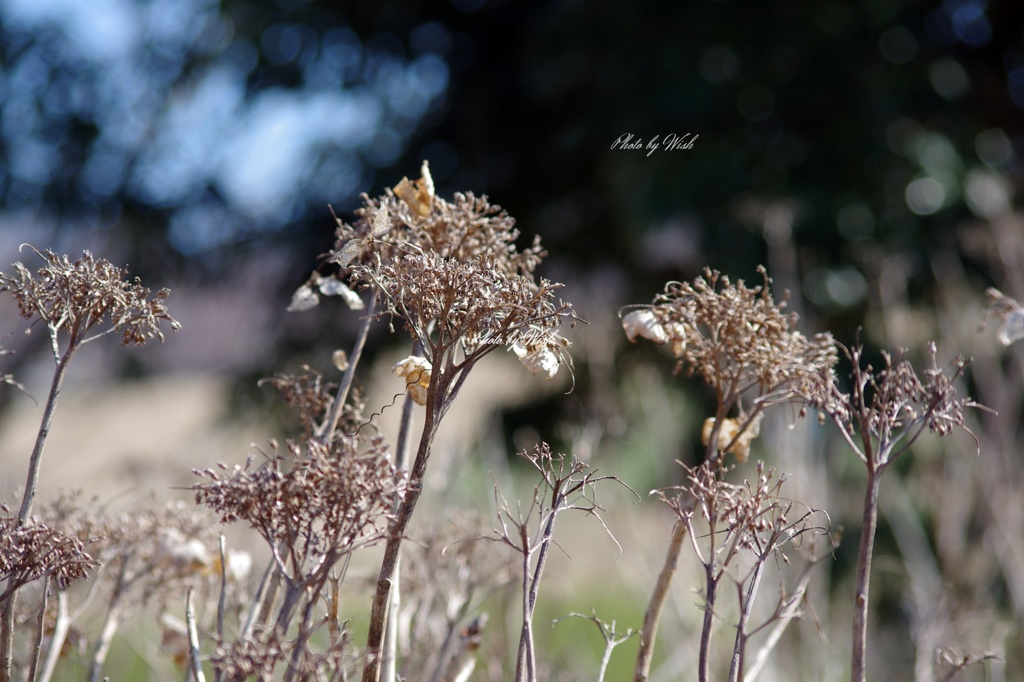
x,y
464,229
735,337
322,499
74,297
34,550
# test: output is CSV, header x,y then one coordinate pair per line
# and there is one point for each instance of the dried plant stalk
x,y
880,419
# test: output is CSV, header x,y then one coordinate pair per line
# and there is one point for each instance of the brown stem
x,y
31,484
652,616
704,662
864,552
37,645
326,430
389,564
739,650
388,668
60,633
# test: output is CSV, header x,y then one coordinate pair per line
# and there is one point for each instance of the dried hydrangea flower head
x,y
739,340
473,308
452,272
887,409
321,500
415,219
73,297
731,335
35,550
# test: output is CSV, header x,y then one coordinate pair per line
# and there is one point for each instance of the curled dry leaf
x,y
416,372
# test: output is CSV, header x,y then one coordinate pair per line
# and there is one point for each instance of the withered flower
x,y
460,311
73,297
35,550
411,218
886,410
312,396
317,500
734,336
739,340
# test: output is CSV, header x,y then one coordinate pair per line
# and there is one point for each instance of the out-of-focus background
x,y
867,153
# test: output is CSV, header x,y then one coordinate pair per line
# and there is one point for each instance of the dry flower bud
x,y
416,372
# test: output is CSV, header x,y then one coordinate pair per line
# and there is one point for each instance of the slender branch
x,y
864,553
37,644
60,633
221,599
388,668
389,564
338,405
193,639
789,608
649,631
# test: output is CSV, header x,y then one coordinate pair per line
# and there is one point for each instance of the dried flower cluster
x,y
35,550
743,514
885,406
73,297
411,218
473,304
154,549
453,273
248,658
743,527
312,396
733,336
318,501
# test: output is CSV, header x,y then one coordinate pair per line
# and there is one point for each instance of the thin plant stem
x,y
338,405
525,653
37,645
221,600
294,667
60,633
711,594
389,661
28,497
99,656
531,587
193,639
864,553
649,631
258,605
389,564
789,610
740,646
35,460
